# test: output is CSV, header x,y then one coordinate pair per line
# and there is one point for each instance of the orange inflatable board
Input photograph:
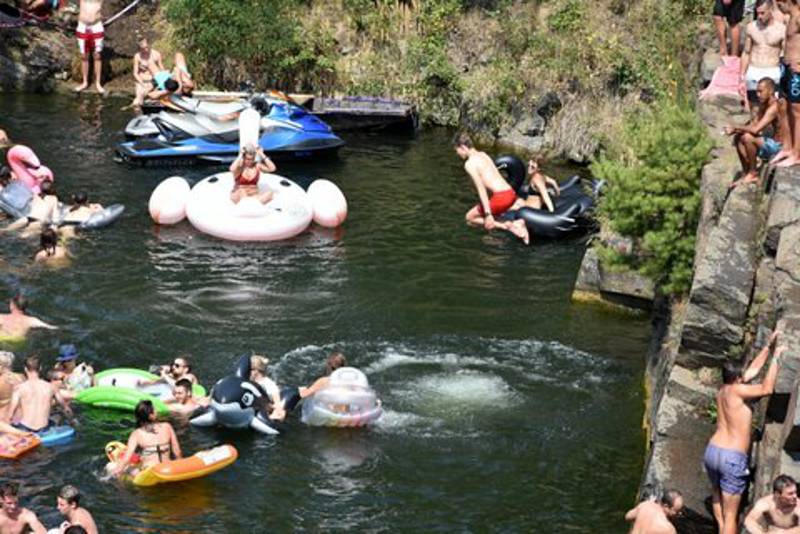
x,y
14,445
198,465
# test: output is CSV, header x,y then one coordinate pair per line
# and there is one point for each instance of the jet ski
x,y
573,209
205,133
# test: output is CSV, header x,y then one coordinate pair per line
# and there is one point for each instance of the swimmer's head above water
x,y
19,302
334,362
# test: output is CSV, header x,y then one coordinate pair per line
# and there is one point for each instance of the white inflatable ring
x,y
209,208
347,401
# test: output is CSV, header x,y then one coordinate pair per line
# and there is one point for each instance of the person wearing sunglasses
x,y
179,369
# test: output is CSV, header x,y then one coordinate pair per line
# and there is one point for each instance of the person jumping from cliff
x,y
779,512
763,46
487,178
653,516
763,135
727,16
90,36
790,83
726,456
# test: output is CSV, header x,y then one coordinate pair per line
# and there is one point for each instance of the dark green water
x,y
508,407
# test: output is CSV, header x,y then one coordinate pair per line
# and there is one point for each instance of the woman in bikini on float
x,y
247,171
154,442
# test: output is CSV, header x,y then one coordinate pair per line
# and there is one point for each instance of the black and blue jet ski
x,y
573,209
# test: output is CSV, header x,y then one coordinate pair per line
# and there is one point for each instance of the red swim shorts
x,y
500,202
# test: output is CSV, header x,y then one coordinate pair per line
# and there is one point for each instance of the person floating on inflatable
x,y
70,377
181,368
183,402
335,361
258,374
487,179
537,185
154,442
247,171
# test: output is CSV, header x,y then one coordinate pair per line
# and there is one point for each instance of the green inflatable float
x,y
119,389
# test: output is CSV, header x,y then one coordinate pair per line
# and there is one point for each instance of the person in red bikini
x,y
487,179
247,171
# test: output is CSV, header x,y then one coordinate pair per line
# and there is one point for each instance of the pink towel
x,y
725,80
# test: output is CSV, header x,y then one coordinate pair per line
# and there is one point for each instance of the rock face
x,y
31,57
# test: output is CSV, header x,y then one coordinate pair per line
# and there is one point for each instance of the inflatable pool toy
x,y
347,401
328,202
198,465
14,445
56,435
101,218
168,201
211,211
16,199
237,402
27,167
249,127
574,208
119,389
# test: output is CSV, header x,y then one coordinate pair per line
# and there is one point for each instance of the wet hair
x,y
47,188
186,384
75,529
769,82
80,198
462,139
20,301
9,490
171,85
669,497
335,361
187,359
70,494
143,412
731,371
782,482
48,241
6,359
33,363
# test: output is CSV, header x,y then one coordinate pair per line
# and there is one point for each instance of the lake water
x,y
508,408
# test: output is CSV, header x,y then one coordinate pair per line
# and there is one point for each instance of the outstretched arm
x,y
631,514
313,388
38,323
758,362
62,401
755,391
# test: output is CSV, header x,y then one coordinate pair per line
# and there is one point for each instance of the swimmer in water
x,y
34,398
154,442
653,517
15,519
43,210
779,512
16,323
258,374
68,504
50,250
335,361
8,381
69,376
183,402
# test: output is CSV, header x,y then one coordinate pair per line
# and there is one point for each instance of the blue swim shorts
x,y
769,147
727,469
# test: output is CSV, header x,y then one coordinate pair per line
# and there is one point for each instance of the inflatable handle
x,y
514,170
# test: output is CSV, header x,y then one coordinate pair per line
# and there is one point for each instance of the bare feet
x,y
780,156
100,89
520,229
789,161
750,178
81,87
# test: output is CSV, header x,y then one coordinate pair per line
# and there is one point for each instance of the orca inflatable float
x,y
238,402
574,208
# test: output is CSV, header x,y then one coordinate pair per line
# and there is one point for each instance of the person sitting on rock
x,y
653,516
779,512
762,136
142,60
247,171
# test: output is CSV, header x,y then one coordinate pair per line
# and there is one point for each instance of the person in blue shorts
x,y
726,456
762,137
166,83
727,16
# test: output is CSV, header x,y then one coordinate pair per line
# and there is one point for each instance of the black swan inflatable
x,y
238,402
573,213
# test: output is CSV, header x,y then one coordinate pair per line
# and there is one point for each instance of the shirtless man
x,y
487,179
44,208
34,398
790,84
653,517
763,46
183,403
726,456
90,41
14,519
16,324
762,136
142,60
778,512
166,83
68,504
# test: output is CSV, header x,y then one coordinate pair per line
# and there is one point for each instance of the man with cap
x,y
68,504
71,378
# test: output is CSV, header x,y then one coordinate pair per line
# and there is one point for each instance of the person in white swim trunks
x,y
90,36
764,39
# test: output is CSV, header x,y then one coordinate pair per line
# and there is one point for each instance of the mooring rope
x,y
124,10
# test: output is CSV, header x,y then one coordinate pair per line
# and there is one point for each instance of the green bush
x,y
653,194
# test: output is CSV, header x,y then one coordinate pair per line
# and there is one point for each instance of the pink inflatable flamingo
x,y
27,168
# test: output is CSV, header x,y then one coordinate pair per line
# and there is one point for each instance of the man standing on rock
x,y
762,50
653,517
726,456
790,83
90,42
727,16
487,179
778,512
